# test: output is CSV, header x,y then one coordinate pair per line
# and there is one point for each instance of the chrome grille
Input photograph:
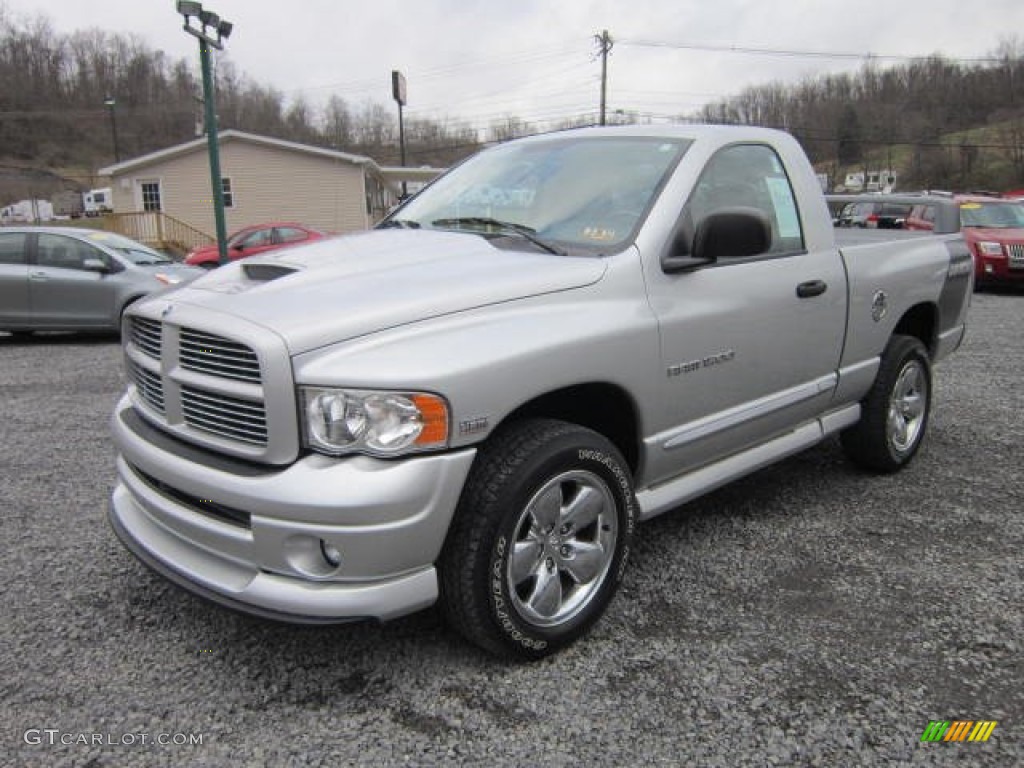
x,y
226,416
1016,253
146,335
217,356
148,385
223,384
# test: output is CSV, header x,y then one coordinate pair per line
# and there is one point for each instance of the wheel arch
x,y
131,299
920,321
606,408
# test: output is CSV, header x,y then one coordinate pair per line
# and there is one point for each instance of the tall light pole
x,y
109,102
211,31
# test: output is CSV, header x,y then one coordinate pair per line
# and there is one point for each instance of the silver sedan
x,y
64,279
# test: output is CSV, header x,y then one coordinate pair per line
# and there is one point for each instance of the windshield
x,y
585,194
135,252
992,215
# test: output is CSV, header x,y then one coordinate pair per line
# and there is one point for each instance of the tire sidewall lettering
x,y
511,625
501,604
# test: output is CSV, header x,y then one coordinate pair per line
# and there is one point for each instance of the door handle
x,y
811,288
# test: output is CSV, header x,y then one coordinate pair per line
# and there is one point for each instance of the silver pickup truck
x,y
476,403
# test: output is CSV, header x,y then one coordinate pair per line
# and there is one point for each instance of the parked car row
x,y
993,229
873,215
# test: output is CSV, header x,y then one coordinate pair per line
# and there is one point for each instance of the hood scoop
x,y
264,273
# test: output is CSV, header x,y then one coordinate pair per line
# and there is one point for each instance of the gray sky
x,y
483,59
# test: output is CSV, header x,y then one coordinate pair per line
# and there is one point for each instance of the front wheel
x,y
540,538
895,412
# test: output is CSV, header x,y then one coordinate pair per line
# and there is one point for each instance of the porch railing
x,y
157,229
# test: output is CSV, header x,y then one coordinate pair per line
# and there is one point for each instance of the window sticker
x,y
970,206
785,207
601,234
510,197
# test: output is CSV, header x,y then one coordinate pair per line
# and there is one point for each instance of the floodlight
x,y
224,29
189,8
209,19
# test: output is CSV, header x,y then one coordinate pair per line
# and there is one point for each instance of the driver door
x,y
750,345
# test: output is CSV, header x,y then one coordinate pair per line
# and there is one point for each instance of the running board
x,y
673,493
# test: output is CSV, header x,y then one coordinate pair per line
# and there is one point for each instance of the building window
x,y
229,198
151,196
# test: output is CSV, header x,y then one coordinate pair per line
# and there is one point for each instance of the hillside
x,y
951,124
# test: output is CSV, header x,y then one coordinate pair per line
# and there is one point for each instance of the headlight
x,y
340,421
166,279
986,248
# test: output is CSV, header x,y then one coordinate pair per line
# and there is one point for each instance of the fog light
x,y
331,553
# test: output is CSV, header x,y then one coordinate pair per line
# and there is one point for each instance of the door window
x,y
12,248
290,235
66,252
257,239
750,176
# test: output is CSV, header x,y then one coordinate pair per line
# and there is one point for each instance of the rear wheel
x,y
895,413
540,539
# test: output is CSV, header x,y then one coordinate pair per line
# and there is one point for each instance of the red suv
x,y
993,229
257,238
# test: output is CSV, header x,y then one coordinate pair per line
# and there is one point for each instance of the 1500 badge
x,y
704,362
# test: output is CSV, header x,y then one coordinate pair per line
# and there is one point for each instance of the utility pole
x,y
604,47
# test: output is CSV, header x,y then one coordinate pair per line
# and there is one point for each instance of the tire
x,y
540,539
895,413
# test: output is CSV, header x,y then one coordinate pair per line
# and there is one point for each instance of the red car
x,y
258,238
993,229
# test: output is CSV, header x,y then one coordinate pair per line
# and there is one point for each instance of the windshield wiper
x,y
503,228
399,224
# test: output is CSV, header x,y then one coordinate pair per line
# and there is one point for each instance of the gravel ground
x,y
807,615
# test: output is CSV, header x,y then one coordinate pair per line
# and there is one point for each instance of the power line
x,y
808,54
514,58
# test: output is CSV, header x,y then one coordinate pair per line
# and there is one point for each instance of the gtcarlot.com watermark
x,y
52,737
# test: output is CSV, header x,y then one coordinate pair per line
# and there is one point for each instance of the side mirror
x,y
732,233
726,233
96,265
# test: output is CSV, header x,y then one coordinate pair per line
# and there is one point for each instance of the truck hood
x,y
343,287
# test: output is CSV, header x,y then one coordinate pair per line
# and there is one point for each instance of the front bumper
x,y
253,537
998,271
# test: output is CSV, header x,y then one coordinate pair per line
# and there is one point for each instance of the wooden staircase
x,y
157,230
